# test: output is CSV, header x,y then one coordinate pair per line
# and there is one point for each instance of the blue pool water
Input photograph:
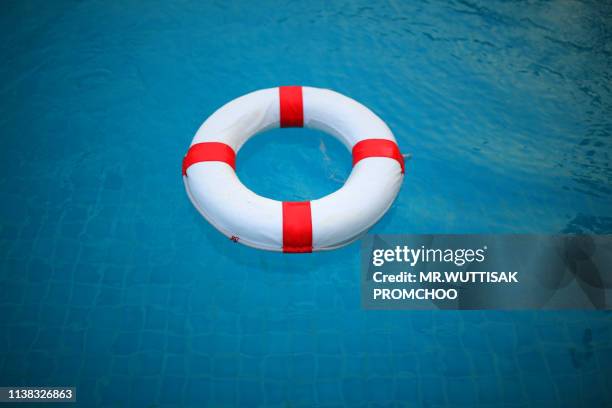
x,y
111,282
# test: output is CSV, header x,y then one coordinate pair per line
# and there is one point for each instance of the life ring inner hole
x,y
293,164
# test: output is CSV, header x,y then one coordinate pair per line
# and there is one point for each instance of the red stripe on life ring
x,y
291,106
297,227
377,148
209,151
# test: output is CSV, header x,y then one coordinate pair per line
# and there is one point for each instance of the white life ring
x,y
323,224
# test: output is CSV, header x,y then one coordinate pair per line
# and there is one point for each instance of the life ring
x,y
323,224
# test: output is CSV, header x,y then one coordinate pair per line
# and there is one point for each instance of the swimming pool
x,y
113,283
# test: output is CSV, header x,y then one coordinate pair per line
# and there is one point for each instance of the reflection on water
x,y
588,224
